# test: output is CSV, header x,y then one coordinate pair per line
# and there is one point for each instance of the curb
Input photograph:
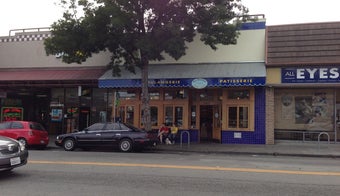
x,y
173,151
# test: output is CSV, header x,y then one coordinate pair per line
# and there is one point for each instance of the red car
x,y
26,132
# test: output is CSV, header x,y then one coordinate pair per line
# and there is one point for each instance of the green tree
x,y
138,31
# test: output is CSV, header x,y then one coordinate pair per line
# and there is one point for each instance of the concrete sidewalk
x,y
281,148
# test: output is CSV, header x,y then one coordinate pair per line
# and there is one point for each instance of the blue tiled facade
x,y
258,136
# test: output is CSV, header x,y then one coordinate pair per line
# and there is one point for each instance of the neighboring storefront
x,y
41,88
303,79
214,96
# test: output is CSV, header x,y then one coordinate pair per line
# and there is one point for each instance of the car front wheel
x,y
69,144
125,145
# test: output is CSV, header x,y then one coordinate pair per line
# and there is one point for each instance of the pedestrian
x,y
173,133
163,132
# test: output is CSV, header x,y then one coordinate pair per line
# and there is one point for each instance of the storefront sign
x,y
185,82
199,83
12,113
310,75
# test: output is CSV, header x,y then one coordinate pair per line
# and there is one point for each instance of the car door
x,y
112,134
91,136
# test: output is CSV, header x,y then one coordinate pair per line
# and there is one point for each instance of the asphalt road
x,y
56,172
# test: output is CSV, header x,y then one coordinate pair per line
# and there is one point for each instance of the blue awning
x,y
191,75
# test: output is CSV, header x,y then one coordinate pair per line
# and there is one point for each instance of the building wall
x,y
26,50
250,47
270,115
258,135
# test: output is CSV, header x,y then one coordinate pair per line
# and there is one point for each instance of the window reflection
x,y
126,94
238,94
173,114
238,117
175,94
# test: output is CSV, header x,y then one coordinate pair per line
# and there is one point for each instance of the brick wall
x,y
270,116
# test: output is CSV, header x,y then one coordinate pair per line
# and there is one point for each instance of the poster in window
x,y
12,113
303,110
56,115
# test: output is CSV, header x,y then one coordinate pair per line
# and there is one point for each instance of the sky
x,y
20,14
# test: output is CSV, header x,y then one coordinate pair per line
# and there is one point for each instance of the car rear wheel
x,y
125,145
69,144
23,141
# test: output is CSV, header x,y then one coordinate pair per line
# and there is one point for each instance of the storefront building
x,y
303,80
213,96
41,88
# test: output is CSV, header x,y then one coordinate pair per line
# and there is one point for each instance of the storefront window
x,y
243,117
130,114
154,95
126,113
238,117
127,94
154,116
206,96
168,116
121,114
173,114
57,96
238,94
179,116
193,116
71,97
175,94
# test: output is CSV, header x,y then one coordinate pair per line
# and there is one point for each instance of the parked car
x,y
27,132
125,137
12,154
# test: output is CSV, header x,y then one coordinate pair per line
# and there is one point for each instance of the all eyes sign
x,y
310,75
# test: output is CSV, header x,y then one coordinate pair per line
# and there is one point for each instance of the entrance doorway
x,y
210,129
84,117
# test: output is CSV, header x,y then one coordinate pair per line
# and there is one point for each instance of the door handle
x,y
98,134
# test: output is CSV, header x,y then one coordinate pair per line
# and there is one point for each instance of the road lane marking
x,y
217,168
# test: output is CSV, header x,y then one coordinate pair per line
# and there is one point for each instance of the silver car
x,y
12,154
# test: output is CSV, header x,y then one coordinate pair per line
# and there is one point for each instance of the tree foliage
x,y
138,31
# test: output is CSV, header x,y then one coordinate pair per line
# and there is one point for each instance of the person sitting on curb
x,y
173,133
163,132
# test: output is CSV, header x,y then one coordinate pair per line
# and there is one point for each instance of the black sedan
x,y
12,154
121,135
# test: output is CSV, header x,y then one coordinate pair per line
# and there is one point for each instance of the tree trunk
x,y
146,118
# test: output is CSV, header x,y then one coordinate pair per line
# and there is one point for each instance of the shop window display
x,y
238,117
127,95
238,94
154,95
175,94
173,114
